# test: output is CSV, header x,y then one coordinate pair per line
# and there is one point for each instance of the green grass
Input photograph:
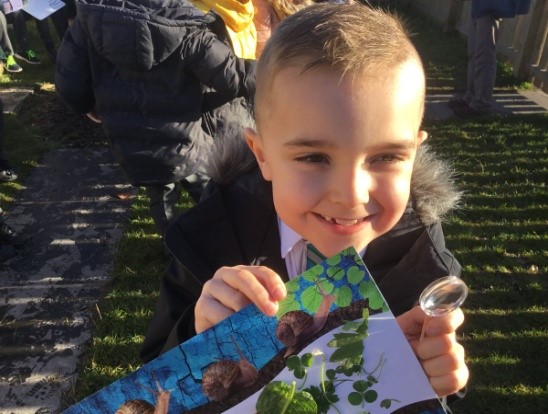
x,y
499,236
444,57
122,317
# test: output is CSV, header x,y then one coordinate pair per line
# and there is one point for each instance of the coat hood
x,y
137,34
433,190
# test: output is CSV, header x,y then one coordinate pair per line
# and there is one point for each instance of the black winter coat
x,y
142,65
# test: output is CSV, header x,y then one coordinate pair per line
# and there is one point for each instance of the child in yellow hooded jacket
x,y
238,18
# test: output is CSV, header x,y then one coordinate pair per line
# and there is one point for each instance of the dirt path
x,y
49,290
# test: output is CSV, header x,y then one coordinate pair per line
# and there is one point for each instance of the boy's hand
x,y
233,288
439,353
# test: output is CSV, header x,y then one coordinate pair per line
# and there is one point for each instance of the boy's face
x,y
340,154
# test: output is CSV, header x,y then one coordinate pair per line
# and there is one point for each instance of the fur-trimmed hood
x,y
433,190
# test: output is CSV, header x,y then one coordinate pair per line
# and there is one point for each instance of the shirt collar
x,y
288,238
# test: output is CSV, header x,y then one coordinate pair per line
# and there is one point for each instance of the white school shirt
x,y
293,250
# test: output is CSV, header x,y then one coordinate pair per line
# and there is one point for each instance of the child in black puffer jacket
x,y
141,69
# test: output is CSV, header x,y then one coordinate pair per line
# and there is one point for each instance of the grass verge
x,y
499,235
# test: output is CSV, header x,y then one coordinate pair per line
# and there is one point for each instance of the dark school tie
x,y
313,256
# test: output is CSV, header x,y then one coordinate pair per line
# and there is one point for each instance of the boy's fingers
x,y
261,285
209,312
233,288
446,362
432,347
269,279
444,324
230,298
451,382
442,359
411,322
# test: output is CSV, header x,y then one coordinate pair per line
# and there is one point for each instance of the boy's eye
x,y
386,158
312,158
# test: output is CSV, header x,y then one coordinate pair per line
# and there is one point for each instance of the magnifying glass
x,y
441,297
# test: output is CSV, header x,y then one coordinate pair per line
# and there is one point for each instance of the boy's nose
x,y
352,187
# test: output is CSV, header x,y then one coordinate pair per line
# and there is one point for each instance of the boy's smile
x,y
340,152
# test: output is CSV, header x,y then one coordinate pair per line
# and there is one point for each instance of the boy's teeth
x,y
345,222
341,222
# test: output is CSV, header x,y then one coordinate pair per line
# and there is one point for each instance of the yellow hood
x,y
238,19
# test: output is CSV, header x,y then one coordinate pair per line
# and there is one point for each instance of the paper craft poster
x,y
347,355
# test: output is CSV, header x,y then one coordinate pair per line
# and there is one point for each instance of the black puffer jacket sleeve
x,y
73,79
216,66
173,321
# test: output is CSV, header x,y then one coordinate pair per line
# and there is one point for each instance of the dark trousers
x,y
164,197
5,42
19,20
482,62
3,161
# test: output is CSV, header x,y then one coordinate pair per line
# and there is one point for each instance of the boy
x,y
339,102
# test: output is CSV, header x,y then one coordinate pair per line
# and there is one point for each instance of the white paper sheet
x,y
42,8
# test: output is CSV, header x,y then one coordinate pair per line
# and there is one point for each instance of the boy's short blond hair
x,y
284,8
353,39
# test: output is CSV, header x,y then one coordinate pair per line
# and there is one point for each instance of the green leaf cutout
x,y
350,325
350,351
369,291
335,260
313,273
311,299
292,285
354,275
336,272
344,297
281,398
388,403
360,385
307,360
355,398
370,396
287,305
341,339
327,286
293,362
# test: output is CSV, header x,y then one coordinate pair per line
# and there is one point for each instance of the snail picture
x,y
225,377
144,407
296,327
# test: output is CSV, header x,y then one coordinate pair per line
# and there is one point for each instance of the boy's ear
x,y
255,144
421,137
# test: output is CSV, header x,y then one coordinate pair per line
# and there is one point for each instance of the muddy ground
x,y
54,122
